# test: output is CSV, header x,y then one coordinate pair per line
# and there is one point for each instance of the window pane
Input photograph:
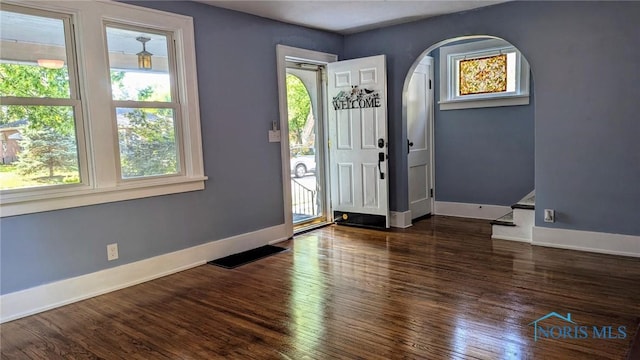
x,y
483,75
39,146
33,58
130,79
511,72
147,142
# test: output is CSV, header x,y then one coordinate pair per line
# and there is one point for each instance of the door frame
x,y
430,129
430,125
283,54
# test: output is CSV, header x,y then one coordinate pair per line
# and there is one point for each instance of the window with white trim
x,y
41,109
67,139
485,73
144,103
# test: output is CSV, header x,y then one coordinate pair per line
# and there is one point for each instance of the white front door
x,y
419,111
357,95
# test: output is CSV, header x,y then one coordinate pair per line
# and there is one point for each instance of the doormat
x,y
245,257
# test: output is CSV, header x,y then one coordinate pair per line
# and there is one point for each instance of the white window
x,y
145,102
71,140
483,73
41,111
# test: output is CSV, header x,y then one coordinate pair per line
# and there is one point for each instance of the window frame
x,y
449,61
74,101
174,104
95,125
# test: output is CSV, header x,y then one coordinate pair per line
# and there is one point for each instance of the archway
x,y
481,155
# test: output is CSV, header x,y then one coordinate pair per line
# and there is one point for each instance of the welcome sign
x,y
357,99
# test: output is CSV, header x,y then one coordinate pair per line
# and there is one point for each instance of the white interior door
x,y
357,93
419,111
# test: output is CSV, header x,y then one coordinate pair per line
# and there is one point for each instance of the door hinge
x,y
429,84
431,193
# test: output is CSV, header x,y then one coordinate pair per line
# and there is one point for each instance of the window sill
x,y
483,103
29,204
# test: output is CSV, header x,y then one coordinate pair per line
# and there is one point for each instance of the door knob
x,y
410,143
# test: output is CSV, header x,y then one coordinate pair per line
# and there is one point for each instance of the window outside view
x,y
41,107
306,204
38,112
143,104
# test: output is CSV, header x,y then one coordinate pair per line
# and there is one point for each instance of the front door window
x,y
305,146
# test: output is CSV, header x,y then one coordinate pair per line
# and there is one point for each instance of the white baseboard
x,y
400,219
475,211
614,244
49,296
510,238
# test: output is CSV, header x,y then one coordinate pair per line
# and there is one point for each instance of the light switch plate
x,y
274,135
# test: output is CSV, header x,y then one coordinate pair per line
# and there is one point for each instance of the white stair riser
x,y
513,233
524,220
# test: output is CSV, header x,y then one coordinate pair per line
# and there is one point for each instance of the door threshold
x,y
310,227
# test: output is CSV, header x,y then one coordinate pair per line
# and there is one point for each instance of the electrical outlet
x,y
112,252
549,215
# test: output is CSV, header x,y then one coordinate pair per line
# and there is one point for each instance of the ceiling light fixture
x,y
51,63
144,57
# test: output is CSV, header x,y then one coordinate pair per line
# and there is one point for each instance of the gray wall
x,y
584,58
587,167
484,155
238,101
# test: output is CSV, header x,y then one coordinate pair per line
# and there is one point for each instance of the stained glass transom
x,y
483,75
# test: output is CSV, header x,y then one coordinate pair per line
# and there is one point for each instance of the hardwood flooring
x,y
441,289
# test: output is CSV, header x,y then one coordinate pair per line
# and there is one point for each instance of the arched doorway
x,y
476,152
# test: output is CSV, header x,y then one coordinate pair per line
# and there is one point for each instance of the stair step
x,y
523,206
505,220
518,224
526,203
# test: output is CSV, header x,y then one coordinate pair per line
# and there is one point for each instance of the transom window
x,y
483,73
68,140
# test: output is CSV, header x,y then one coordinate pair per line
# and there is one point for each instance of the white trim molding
x,y
283,54
49,296
84,196
400,219
512,100
606,243
474,211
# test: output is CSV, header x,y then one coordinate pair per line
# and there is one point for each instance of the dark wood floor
x,y
439,290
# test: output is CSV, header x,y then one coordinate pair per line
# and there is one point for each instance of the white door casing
x,y
357,117
419,114
283,54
